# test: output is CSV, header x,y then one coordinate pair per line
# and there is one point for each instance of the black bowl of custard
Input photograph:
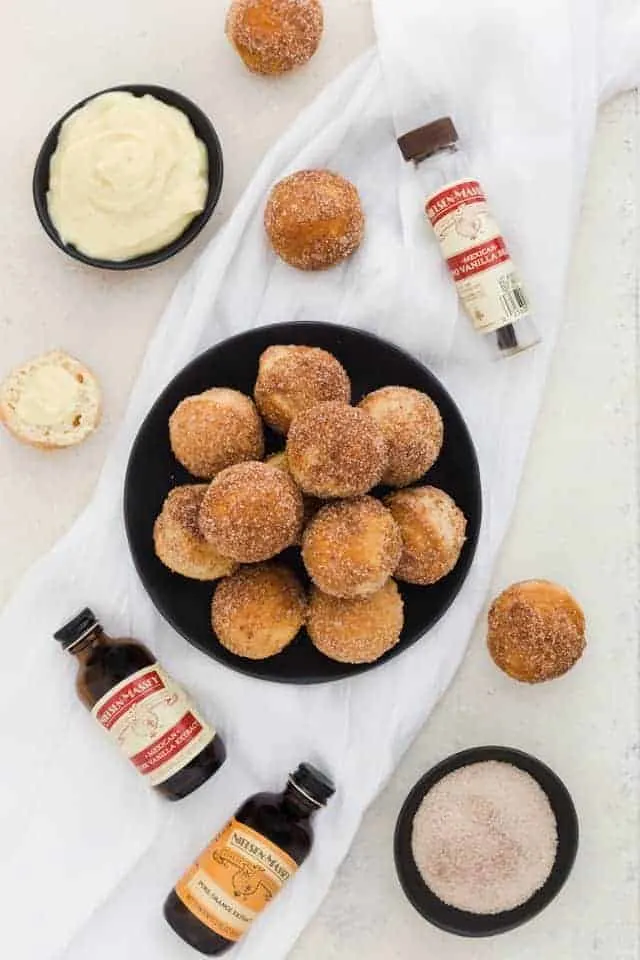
x,y
204,132
456,919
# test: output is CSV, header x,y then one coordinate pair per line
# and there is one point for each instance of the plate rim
x,y
242,665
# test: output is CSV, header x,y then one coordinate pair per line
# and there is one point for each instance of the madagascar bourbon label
x,y
477,256
154,723
234,879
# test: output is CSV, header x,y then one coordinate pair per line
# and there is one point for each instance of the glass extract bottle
x,y
472,244
247,864
146,713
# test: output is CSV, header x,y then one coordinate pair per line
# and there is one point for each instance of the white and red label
x,y
154,723
477,256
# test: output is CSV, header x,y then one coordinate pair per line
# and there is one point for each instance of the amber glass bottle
x,y
149,716
247,864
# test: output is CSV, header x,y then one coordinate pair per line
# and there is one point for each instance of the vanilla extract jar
x,y
148,715
247,864
489,285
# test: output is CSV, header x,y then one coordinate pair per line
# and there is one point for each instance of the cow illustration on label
x,y
468,223
143,721
246,881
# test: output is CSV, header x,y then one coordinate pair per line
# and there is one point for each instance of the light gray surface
x,y
577,519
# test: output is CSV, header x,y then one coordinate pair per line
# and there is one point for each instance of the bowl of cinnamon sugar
x,y
485,841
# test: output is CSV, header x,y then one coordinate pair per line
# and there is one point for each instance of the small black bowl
x,y
486,925
203,129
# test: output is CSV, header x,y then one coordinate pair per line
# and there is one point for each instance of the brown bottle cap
x,y
425,141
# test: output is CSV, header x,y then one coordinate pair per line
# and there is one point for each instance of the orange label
x,y
234,879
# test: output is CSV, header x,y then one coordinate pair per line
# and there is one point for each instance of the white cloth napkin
x,y
88,852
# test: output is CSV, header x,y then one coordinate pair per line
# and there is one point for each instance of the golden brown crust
x,y
536,631
46,446
433,533
258,611
356,631
251,512
214,430
413,428
292,379
314,219
274,36
178,541
351,548
335,450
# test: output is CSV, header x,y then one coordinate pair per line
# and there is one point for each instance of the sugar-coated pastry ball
x,y
274,36
413,429
259,610
359,630
251,512
352,547
214,430
433,532
293,378
314,219
177,539
335,450
536,631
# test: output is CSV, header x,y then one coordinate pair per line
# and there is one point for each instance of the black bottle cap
x,y
425,141
312,784
76,629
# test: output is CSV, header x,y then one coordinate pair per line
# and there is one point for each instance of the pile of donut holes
x,y
244,511
315,493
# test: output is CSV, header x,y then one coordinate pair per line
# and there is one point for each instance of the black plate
x,y
204,131
459,921
153,471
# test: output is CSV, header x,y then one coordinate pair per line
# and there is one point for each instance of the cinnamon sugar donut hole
x,y
314,219
335,450
274,36
359,630
258,611
293,378
433,532
413,429
214,430
251,512
177,539
536,631
351,548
